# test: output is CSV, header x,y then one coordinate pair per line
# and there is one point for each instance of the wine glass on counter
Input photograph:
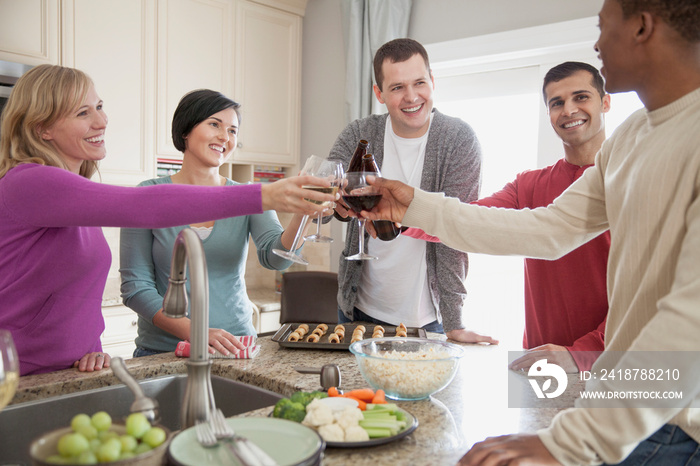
x,y
360,195
320,168
9,368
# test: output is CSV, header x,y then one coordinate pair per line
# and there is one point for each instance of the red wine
x,y
362,202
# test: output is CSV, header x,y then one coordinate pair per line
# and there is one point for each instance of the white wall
x,y
432,21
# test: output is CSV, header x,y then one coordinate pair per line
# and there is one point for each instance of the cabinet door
x,y
268,84
29,31
114,43
195,51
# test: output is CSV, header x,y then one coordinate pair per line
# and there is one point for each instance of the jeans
x,y
141,351
358,315
668,446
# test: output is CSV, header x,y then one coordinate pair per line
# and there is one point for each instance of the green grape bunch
x,y
93,441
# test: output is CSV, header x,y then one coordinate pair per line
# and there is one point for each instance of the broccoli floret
x,y
301,397
318,394
307,397
279,406
293,411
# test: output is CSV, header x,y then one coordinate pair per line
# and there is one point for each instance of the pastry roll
x,y
340,333
313,338
302,331
294,336
318,331
323,327
305,327
333,338
339,327
377,334
402,327
361,328
378,328
400,332
356,337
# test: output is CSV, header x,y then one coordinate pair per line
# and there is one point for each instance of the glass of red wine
x,y
360,195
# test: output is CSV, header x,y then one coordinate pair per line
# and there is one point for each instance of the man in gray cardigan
x,y
418,283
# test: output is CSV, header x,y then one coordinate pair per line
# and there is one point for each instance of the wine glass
x,y
9,368
359,196
321,168
336,176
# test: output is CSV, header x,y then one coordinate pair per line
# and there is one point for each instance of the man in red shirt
x,y
565,300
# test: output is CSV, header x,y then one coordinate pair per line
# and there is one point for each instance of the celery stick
x,y
378,432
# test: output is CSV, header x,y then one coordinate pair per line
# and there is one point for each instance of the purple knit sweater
x,y
54,258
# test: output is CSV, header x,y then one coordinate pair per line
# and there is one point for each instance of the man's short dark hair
x,y
566,69
682,15
396,51
194,108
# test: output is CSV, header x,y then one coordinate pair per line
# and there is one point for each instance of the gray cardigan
x,y
452,166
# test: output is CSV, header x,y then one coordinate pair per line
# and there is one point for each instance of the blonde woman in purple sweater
x,y
54,258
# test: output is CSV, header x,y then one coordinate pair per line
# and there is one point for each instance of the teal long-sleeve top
x,y
145,257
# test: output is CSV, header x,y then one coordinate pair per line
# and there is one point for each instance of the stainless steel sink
x,y
22,422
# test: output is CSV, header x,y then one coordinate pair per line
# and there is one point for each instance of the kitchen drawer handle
x,y
133,323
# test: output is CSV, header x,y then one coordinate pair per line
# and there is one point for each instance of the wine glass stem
x,y
300,231
318,225
361,239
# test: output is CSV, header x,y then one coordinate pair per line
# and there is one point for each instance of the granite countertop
x,y
474,406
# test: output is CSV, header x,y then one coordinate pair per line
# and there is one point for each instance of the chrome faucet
x,y
198,403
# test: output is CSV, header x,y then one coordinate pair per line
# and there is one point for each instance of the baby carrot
x,y
364,394
379,397
333,391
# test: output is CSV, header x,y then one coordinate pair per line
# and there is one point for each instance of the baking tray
x,y
282,335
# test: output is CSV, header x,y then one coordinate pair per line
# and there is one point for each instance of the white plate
x,y
289,443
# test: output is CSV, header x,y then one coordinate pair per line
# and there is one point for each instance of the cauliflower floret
x,y
349,416
332,433
317,414
356,434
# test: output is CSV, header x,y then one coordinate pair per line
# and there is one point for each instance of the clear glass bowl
x,y
407,368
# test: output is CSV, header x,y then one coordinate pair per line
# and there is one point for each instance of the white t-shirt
x,y
394,288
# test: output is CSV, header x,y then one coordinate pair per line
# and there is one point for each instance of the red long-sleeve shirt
x,y
566,299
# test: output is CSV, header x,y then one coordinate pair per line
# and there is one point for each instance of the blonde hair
x,y
41,97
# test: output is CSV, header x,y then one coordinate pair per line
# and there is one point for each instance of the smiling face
x,y
212,141
79,136
576,109
407,92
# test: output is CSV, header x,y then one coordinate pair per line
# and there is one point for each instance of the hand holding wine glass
x,y
9,368
320,168
359,195
395,199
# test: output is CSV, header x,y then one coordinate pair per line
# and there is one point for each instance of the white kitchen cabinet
x,y
195,51
120,331
268,84
29,31
114,43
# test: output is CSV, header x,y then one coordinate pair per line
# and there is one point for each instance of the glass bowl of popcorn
x,y
407,368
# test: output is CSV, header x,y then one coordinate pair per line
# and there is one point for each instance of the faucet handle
x,y
175,301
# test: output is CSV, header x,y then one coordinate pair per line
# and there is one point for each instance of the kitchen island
x,y
473,407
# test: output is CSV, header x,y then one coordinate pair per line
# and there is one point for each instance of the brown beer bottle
x,y
386,229
356,160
